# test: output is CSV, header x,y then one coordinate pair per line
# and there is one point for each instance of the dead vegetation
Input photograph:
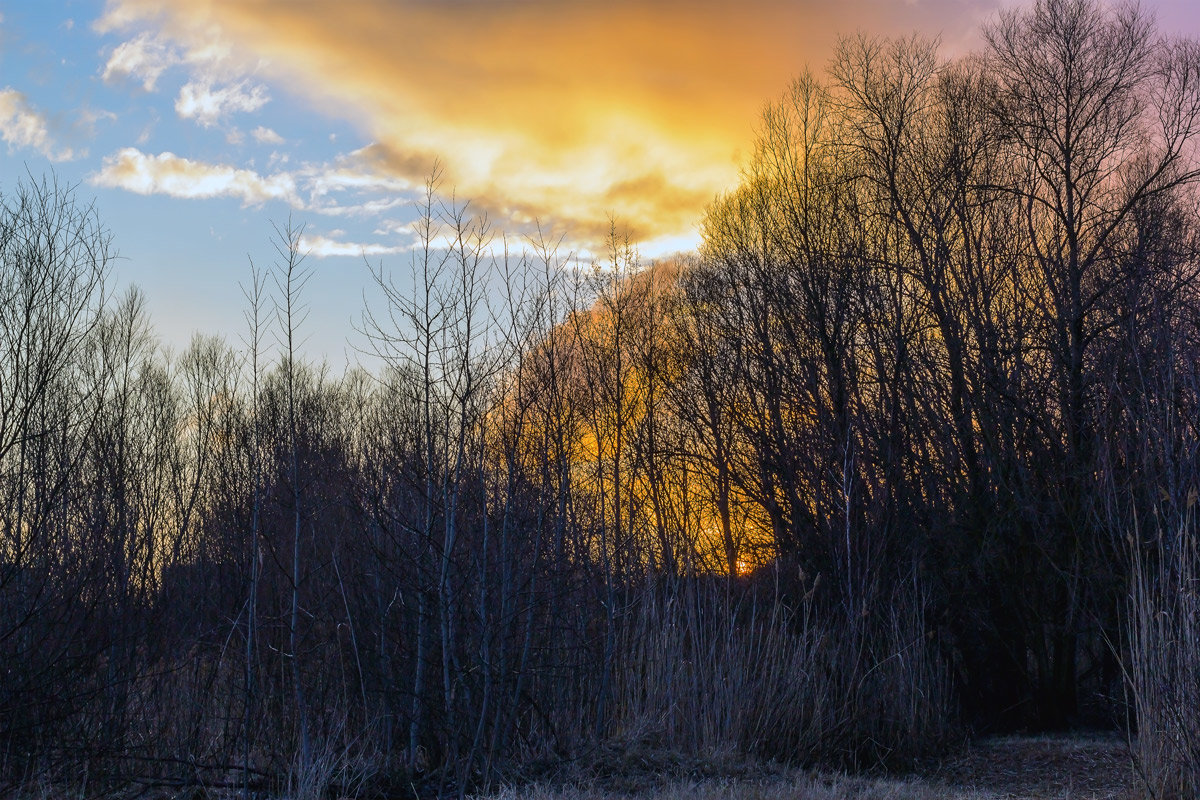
x,y
1008,768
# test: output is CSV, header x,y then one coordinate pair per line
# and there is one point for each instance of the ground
x,y
1011,768
1097,768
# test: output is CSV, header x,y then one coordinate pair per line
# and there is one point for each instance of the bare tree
x,y
290,277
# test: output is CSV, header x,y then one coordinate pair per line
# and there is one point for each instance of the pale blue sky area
x,y
59,114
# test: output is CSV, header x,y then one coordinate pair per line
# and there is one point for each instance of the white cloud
x,y
355,176
207,104
169,174
144,58
342,188
23,126
369,208
266,136
354,173
321,247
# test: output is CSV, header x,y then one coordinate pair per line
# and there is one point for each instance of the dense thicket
x,y
911,442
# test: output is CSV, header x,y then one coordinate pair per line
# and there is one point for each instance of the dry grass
x,y
1092,767
697,674
1164,643
1019,768
791,787
1010,768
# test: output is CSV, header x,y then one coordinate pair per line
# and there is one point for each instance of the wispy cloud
x,y
266,136
338,189
23,126
208,104
144,59
168,174
322,247
344,187
354,177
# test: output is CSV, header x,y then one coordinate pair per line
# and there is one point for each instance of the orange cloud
x,y
568,110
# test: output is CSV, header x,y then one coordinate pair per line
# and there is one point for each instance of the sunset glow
x,y
564,112
223,115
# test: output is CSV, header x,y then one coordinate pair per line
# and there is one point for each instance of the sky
x,y
196,126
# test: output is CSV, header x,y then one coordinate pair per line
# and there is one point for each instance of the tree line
x,y
907,449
